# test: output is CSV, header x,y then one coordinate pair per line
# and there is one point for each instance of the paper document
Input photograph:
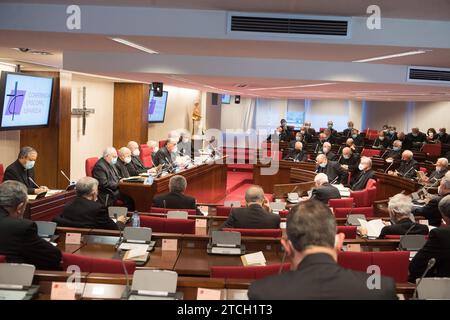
x,y
254,259
373,227
131,246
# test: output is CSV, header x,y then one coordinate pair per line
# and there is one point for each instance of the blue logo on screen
x,y
15,102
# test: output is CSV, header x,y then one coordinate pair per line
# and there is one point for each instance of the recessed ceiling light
x,y
397,55
134,45
32,51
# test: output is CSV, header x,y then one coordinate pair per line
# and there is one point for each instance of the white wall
x,y
431,115
180,104
319,112
9,140
100,96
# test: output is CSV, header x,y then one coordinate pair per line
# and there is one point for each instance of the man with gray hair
x,y
135,167
332,169
437,247
312,246
324,191
108,177
402,220
363,175
166,155
22,170
175,198
85,211
255,215
298,154
438,174
326,150
19,239
123,160
408,166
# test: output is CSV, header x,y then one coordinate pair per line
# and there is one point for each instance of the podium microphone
x,y
430,265
65,176
32,181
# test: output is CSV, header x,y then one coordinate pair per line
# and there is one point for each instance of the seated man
x,y
299,137
329,136
382,142
108,177
154,146
326,150
175,198
365,172
312,245
135,167
85,211
437,247
417,138
349,143
298,154
22,170
255,215
394,154
319,145
164,155
443,136
349,162
348,131
324,191
123,161
333,132
438,174
285,131
408,166
430,211
357,138
310,130
399,208
332,169
19,239
184,145
406,142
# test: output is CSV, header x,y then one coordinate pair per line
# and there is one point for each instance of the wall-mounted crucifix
x,y
83,112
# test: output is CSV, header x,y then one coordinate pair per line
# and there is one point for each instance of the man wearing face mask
x,y
348,132
382,142
298,138
349,162
135,167
417,138
306,135
319,145
19,239
332,169
123,161
326,150
357,139
408,166
431,210
285,129
330,127
309,130
438,174
359,180
394,154
154,146
392,133
329,137
297,154
184,145
85,211
108,177
312,245
165,155
443,137
22,170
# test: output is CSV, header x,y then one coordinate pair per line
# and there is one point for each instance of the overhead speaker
x,y
157,89
214,99
237,99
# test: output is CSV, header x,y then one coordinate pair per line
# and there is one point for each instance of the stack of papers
x,y
373,227
137,254
254,259
345,192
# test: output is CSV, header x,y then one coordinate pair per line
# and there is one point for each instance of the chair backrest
x,y
2,172
164,225
349,231
249,272
162,143
273,233
357,261
344,212
89,165
422,169
341,203
190,212
146,155
223,211
432,149
283,213
371,183
2,259
370,152
372,195
360,198
97,265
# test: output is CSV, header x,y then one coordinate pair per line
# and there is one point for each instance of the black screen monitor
x,y
157,107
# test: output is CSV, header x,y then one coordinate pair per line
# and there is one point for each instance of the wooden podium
x,y
388,186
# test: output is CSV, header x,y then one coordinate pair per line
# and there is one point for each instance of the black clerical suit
x,y
175,200
408,168
358,141
438,247
301,155
136,167
184,148
402,227
430,211
360,179
324,193
347,132
443,138
381,144
163,156
416,141
252,217
394,154
437,175
319,277
108,177
333,170
352,164
20,243
121,167
16,171
84,213
331,156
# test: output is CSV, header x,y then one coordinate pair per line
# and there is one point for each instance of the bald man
x,y
408,166
298,154
135,166
255,215
332,169
365,172
349,162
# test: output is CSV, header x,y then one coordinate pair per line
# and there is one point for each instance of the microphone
x,y
282,262
65,176
430,265
334,180
339,151
32,181
406,173
400,247
388,149
164,203
106,200
127,279
340,157
389,166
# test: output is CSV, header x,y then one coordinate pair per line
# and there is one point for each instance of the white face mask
x,y
155,149
136,152
361,167
175,150
127,160
346,156
438,169
381,138
29,165
326,150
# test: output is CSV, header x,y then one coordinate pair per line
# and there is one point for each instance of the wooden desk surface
x,y
47,208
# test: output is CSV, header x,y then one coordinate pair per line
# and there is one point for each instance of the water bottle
x,y
136,221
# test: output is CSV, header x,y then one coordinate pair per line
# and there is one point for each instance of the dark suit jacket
x,y
403,226
15,171
359,141
352,164
430,211
174,200
381,144
122,169
297,156
405,168
396,155
325,192
135,167
319,277
416,142
347,133
108,181
252,217
359,180
84,213
332,170
163,156
445,138
438,175
20,243
438,247
331,156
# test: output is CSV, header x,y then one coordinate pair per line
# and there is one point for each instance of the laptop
x,y
154,285
16,281
46,230
352,219
116,212
434,288
225,243
412,242
137,237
